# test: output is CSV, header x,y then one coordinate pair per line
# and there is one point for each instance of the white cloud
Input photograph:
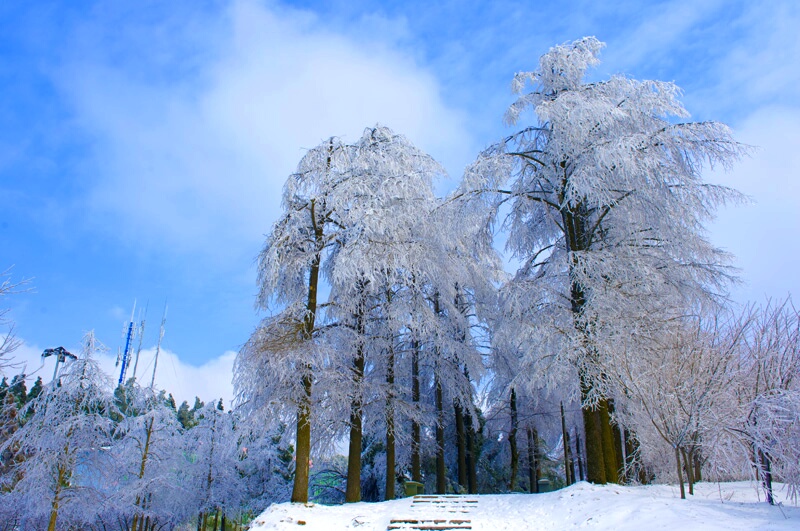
x,y
658,32
201,167
210,381
763,235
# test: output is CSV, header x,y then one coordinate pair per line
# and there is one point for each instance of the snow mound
x,y
728,506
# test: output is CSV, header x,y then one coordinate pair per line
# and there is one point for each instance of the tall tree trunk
x,y
765,469
51,525
578,455
461,448
679,470
416,469
391,476
303,428
303,439
353,489
512,441
568,478
610,458
441,479
533,460
698,477
595,463
472,454
687,461
601,459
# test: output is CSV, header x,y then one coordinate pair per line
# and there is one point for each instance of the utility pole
x,y
61,355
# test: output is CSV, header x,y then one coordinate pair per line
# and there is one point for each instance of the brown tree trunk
x,y
472,455
568,479
303,428
391,475
512,441
441,479
416,469
595,463
687,461
51,526
461,448
765,469
578,456
303,439
610,458
533,460
698,477
353,489
680,473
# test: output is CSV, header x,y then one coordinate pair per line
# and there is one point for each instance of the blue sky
x,y
143,145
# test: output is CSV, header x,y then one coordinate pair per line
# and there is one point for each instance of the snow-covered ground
x,y
727,506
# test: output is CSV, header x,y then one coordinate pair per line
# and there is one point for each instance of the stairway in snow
x,y
436,513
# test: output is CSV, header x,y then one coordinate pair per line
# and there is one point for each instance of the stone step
x,y
433,524
449,503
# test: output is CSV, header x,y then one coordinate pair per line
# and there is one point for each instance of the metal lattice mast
x,y
127,352
158,347
141,337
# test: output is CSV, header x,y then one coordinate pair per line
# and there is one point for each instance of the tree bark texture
x,y
568,477
441,479
512,441
391,476
303,428
680,473
533,460
461,448
416,469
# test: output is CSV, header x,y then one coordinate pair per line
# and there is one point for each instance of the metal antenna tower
x,y
141,337
127,352
158,347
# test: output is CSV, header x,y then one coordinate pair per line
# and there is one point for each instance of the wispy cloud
x,y
202,167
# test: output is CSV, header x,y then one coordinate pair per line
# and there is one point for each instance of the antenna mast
x,y
141,337
158,347
127,352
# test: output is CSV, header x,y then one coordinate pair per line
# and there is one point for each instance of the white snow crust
x,y
728,506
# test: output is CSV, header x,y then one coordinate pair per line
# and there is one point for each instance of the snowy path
x,y
723,507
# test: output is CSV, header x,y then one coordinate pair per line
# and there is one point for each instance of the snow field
x,y
723,506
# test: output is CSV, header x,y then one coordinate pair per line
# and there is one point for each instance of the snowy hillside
x,y
726,506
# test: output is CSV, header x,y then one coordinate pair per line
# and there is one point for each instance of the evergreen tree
x,y
19,390
36,390
185,415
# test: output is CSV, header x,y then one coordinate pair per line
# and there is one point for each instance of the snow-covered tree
x,y
148,458
62,462
275,370
769,393
676,386
382,207
8,340
606,205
